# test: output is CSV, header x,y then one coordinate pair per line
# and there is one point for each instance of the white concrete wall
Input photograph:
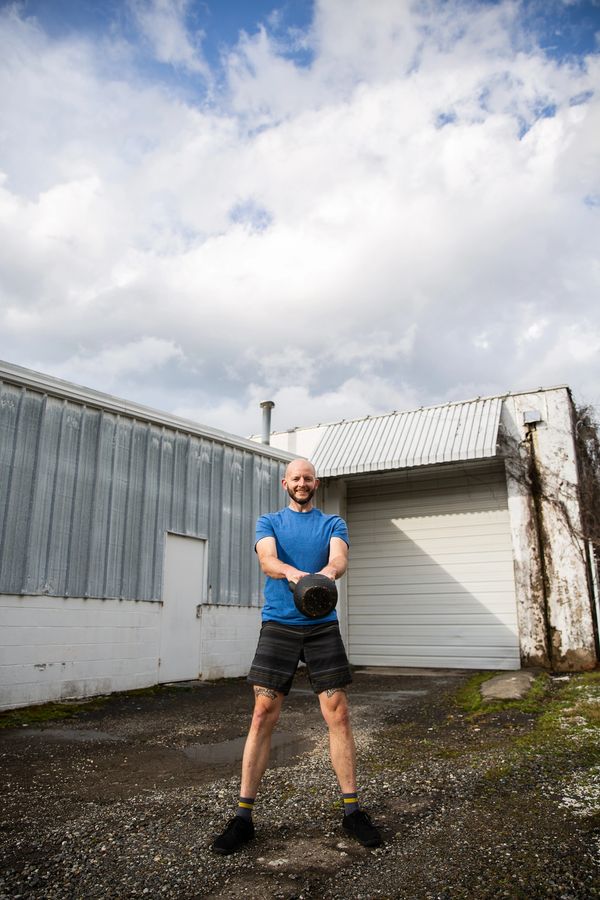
x,y
550,564
54,648
229,637
300,441
529,575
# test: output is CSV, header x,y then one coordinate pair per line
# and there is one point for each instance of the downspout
x,y
593,572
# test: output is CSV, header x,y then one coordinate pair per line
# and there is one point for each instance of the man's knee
x,y
267,706
334,706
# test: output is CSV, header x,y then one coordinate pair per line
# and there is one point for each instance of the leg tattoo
x,y
265,692
331,691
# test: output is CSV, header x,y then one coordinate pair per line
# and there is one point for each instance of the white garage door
x,y
431,576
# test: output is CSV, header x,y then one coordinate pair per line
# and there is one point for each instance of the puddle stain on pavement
x,y
285,749
69,735
377,696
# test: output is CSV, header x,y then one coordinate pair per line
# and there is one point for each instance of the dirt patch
x,y
123,799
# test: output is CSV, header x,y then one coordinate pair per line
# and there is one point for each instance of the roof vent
x,y
266,406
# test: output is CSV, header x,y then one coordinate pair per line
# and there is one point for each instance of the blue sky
x,y
348,207
562,28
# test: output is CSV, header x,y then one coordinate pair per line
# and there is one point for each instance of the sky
x,y
347,207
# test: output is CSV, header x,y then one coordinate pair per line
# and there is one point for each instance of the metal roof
x,y
10,373
449,433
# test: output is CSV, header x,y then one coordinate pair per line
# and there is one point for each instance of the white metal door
x,y
183,591
431,579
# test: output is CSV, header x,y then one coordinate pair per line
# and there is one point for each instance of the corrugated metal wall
x,y
87,495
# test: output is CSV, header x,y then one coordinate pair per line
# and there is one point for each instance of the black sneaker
x,y
238,832
359,825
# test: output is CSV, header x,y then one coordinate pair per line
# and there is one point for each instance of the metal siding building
x,y
90,488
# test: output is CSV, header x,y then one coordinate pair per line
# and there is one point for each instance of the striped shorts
x,y
281,647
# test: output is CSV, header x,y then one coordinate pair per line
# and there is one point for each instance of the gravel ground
x,y
121,800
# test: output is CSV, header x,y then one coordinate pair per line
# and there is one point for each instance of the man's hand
x,y
294,575
329,572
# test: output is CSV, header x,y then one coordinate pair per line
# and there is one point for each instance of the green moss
x,y
569,725
48,712
145,692
450,753
468,697
496,773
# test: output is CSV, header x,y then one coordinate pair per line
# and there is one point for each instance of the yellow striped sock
x,y
245,807
350,803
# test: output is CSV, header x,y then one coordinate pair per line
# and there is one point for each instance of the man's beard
x,y
302,500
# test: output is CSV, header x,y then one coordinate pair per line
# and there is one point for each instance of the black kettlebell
x,y
315,596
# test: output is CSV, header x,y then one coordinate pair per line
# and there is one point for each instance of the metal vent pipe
x,y
266,406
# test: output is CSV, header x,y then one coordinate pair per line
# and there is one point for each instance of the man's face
x,y
300,482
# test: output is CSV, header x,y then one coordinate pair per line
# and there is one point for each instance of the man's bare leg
x,y
334,706
240,829
267,707
357,824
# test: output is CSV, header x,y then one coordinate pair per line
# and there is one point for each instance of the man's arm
x,y
270,563
338,559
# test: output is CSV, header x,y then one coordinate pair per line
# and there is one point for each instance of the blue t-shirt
x,y
302,541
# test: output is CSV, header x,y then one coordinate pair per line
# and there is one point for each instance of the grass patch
x,y
574,709
566,733
469,700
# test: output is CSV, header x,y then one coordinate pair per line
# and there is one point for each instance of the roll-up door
x,y
431,576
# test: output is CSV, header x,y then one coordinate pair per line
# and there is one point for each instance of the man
x,y
291,543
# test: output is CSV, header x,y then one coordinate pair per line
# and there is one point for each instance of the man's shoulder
x,y
271,518
273,515
330,517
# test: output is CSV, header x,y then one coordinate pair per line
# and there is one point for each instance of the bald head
x,y
300,482
300,465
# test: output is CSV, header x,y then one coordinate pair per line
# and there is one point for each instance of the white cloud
x,y
299,404
163,24
395,224
118,363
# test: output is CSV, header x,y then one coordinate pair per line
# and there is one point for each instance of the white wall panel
x,y
229,637
54,649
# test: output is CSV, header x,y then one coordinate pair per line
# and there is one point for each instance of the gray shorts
x,y
281,647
